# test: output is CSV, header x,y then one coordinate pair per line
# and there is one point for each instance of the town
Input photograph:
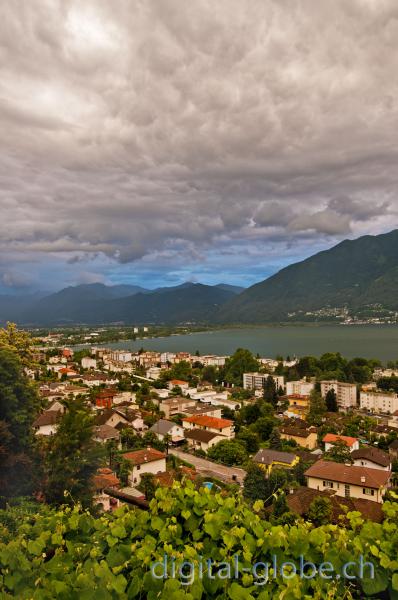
x,y
304,435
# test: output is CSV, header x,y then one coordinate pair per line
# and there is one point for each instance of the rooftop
x,y
140,457
361,476
267,457
332,438
206,421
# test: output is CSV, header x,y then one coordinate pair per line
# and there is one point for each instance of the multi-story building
x,y
212,360
301,387
346,393
385,402
256,381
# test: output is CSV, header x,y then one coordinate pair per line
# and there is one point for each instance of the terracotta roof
x,y
267,457
300,500
105,478
331,438
178,382
48,417
140,457
201,435
297,431
206,421
362,476
373,454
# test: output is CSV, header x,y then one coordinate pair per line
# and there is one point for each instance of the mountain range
x,y
97,303
356,274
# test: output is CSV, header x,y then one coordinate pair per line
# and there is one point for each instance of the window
x,y
347,490
368,492
138,467
328,484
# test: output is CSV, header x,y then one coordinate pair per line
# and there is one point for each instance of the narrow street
x,y
203,466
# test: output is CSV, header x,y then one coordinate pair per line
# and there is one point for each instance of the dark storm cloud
x,y
172,133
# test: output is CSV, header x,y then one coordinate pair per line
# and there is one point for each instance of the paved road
x,y
204,467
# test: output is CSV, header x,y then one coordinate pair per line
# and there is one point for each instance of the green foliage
x,y
73,456
148,485
275,441
339,453
270,393
250,439
242,361
320,510
19,406
255,485
68,554
317,408
228,452
331,401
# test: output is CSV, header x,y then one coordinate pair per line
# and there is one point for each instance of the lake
x,y
369,341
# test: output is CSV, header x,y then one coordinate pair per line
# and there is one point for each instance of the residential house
x,y
330,440
163,428
348,481
104,480
202,439
153,372
175,406
106,433
147,460
47,422
371,457
270,459
183,385
111,417
346,393
306,438
223,426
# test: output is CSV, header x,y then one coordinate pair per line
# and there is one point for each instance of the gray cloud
x,y
165,132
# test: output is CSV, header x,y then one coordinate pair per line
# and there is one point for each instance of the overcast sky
x,y
159,141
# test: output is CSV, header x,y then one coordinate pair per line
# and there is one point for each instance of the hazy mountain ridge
x,y
355,273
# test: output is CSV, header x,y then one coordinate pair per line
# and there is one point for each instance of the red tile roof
x,y
331,438
206,421
105,478
140,457
362,476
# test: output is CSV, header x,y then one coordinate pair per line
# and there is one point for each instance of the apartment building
x,y
385,402
256,381
300,388
346,393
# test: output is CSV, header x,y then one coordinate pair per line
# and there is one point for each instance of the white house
x,y
147,460
225,427
331,439
89,363
371,457
202,439
163,428
47,422
348,481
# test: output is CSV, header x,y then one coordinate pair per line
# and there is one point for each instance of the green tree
x,y
317,408
320,510
254,484
249,439
270,393
279,505
331,401
19,406
339,453
263,426
275,441
210,374
228,452
242,361
73,456
148,485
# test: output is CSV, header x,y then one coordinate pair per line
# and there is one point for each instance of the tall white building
x,y
256,381
386,402
302,387
346,393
